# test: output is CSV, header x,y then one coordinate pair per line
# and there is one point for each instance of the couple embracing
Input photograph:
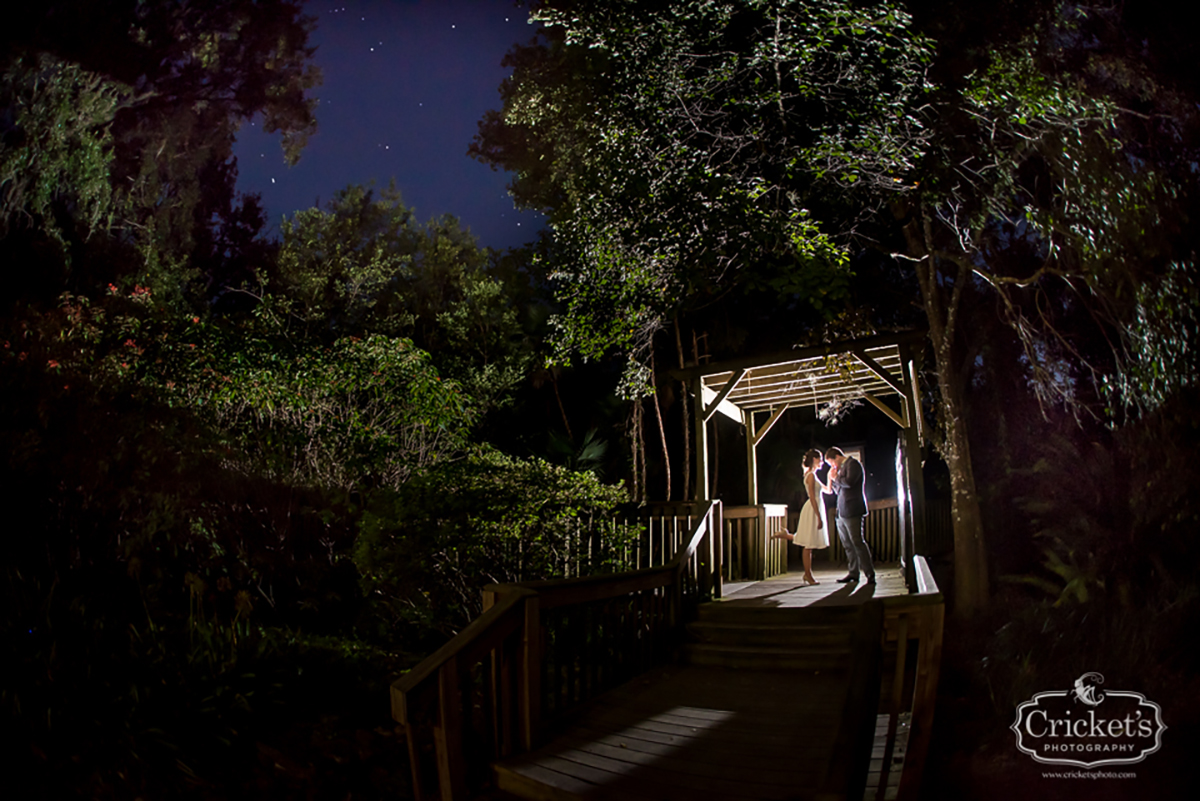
x,y
847,479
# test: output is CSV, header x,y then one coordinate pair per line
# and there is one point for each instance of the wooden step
x,y
733,612
746,657
767,635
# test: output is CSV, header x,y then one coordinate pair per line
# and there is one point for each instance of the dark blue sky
x,y
406,83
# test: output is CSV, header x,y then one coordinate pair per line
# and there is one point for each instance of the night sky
x,y
406,82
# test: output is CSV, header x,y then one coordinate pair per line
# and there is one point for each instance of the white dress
x,y
807,533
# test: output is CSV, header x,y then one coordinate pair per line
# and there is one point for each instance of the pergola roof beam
x,y
816,366
771,400
833,384
876,368
762,432
883,407
711,409
890,341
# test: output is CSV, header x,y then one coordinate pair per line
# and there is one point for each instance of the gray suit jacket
x,y
851,493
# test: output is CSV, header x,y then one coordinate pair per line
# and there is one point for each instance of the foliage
x,y
1119,582
363,413
57,146
1058,176
196,419
364,265
192,486
588,457
135,137
681,149
426,549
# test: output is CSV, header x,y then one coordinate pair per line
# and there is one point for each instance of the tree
x,y
364,265
132,134
1055,180
681,153
677,150
698,147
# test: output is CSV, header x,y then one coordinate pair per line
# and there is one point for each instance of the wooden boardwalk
x,y
790,591
753,713
687,730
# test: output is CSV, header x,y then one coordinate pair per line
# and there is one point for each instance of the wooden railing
x,y
882,530
540,649
749,551
912,656
846,776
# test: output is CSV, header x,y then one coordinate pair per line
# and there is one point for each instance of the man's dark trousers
x,y
852,513
854,543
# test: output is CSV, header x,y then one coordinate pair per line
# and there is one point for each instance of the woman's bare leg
x,y
807,557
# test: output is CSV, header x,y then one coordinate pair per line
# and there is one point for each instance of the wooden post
x,y
904,514
531,673
895,706
702,489
411,734
929,660
448,733
761,543
713,521
751,459
912,455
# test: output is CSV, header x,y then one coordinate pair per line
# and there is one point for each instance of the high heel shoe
x,y
812,583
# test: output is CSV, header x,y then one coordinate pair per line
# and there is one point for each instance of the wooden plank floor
x,y
789,590
684,731
899,749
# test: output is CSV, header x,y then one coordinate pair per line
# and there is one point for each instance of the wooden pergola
x,y
756,391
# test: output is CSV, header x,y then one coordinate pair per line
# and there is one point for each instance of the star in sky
x,y
410,81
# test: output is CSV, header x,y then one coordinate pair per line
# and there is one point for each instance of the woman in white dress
x,y
812,531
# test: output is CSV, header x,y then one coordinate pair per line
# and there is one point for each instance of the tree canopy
x,y
686,151
127,124
681,149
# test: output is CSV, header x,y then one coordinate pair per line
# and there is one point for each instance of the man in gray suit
x,y
847,479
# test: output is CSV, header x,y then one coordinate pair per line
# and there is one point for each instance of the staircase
x,y
765,703
812,639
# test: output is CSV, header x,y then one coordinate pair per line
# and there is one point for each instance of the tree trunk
x,y
685,408
942,297
971,588
637,448
662,430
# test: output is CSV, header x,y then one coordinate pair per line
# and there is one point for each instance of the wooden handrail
x,y
560,592
925,582
481,635
436,685
917,616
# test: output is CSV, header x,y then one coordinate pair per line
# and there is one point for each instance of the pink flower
x,y
52,363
